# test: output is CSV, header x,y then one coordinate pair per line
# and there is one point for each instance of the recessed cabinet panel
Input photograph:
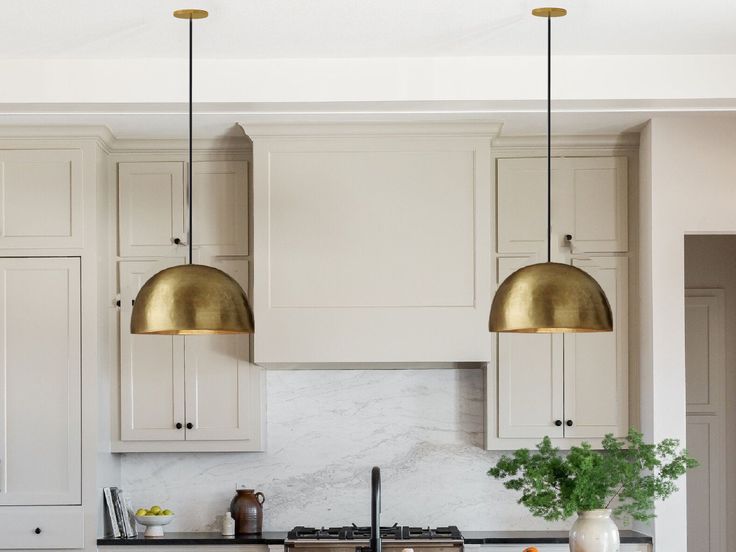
x,y
705,351
151,209
366,229
529,376
41,199
596,364
151,367
222,386
522,203
40,381
598,204
221,206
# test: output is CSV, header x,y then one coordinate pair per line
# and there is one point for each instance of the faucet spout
x,y
375,542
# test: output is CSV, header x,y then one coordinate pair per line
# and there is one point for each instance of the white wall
x,y
687,185
711,263
504,78
326,428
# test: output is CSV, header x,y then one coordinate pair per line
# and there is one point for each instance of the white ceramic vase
x,y
594,531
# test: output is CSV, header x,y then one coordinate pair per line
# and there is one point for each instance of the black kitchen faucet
x,y
375,542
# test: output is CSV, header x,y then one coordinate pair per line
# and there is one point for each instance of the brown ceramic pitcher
x,y
247,510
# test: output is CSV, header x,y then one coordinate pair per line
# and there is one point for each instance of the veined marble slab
x,y
326,429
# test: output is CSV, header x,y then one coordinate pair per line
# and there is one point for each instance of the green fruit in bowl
x,y
167,513
155,510
141,512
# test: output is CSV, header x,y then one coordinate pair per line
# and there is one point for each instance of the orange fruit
x,y
531,549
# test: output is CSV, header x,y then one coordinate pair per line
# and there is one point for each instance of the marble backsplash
x,y
326,428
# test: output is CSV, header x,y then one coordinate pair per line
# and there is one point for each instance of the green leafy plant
x,y
628,473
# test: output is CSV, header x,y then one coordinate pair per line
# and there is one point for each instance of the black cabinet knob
x,y
190,425
178,425
37,530
177,241
569,423
558,423
568,237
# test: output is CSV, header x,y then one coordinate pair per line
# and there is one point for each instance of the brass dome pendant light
x,y
191,299
550,297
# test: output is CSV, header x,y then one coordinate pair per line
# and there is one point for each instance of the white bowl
x,y
154,524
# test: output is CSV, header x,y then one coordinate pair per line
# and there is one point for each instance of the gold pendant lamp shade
x,y
191,299
550,297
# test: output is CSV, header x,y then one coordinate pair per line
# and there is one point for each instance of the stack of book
x,y
119,514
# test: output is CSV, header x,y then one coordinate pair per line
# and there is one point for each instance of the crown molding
x,y
571,142
353,128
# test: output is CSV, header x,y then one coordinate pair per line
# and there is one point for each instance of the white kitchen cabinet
x,y
151,367
188,389
153,208
596,364
41,199
40,383
565,386
589,203
371,246
42,527
223,388
529,365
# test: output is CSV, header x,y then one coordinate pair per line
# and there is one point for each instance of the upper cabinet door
x,y
221,206
596,364
589,203
41,199
151,367
223,389
40,381
151,209
530,391
521,203
372,248
594,204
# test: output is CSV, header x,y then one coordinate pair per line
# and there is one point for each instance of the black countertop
x,y
540,537
277,537
267,537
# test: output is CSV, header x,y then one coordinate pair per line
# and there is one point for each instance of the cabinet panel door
x,y
151,367
222,387
594,208
41,198
521,207
40,381
596,364
529,377
221,206
151,209
705,350
706,499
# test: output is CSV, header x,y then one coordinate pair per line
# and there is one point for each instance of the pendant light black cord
x,y
191,166
549,138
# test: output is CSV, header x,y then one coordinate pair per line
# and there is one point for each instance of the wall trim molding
x,y
352,128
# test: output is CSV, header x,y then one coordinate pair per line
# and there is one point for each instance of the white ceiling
x,y
361,28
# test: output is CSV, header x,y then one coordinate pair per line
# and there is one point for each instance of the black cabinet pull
x,y
569,423
558,423
177,241
37,530
190,425
178,425
568,237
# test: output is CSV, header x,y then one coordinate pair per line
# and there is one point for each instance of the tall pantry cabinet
x,y
184,393
570,387
48,341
